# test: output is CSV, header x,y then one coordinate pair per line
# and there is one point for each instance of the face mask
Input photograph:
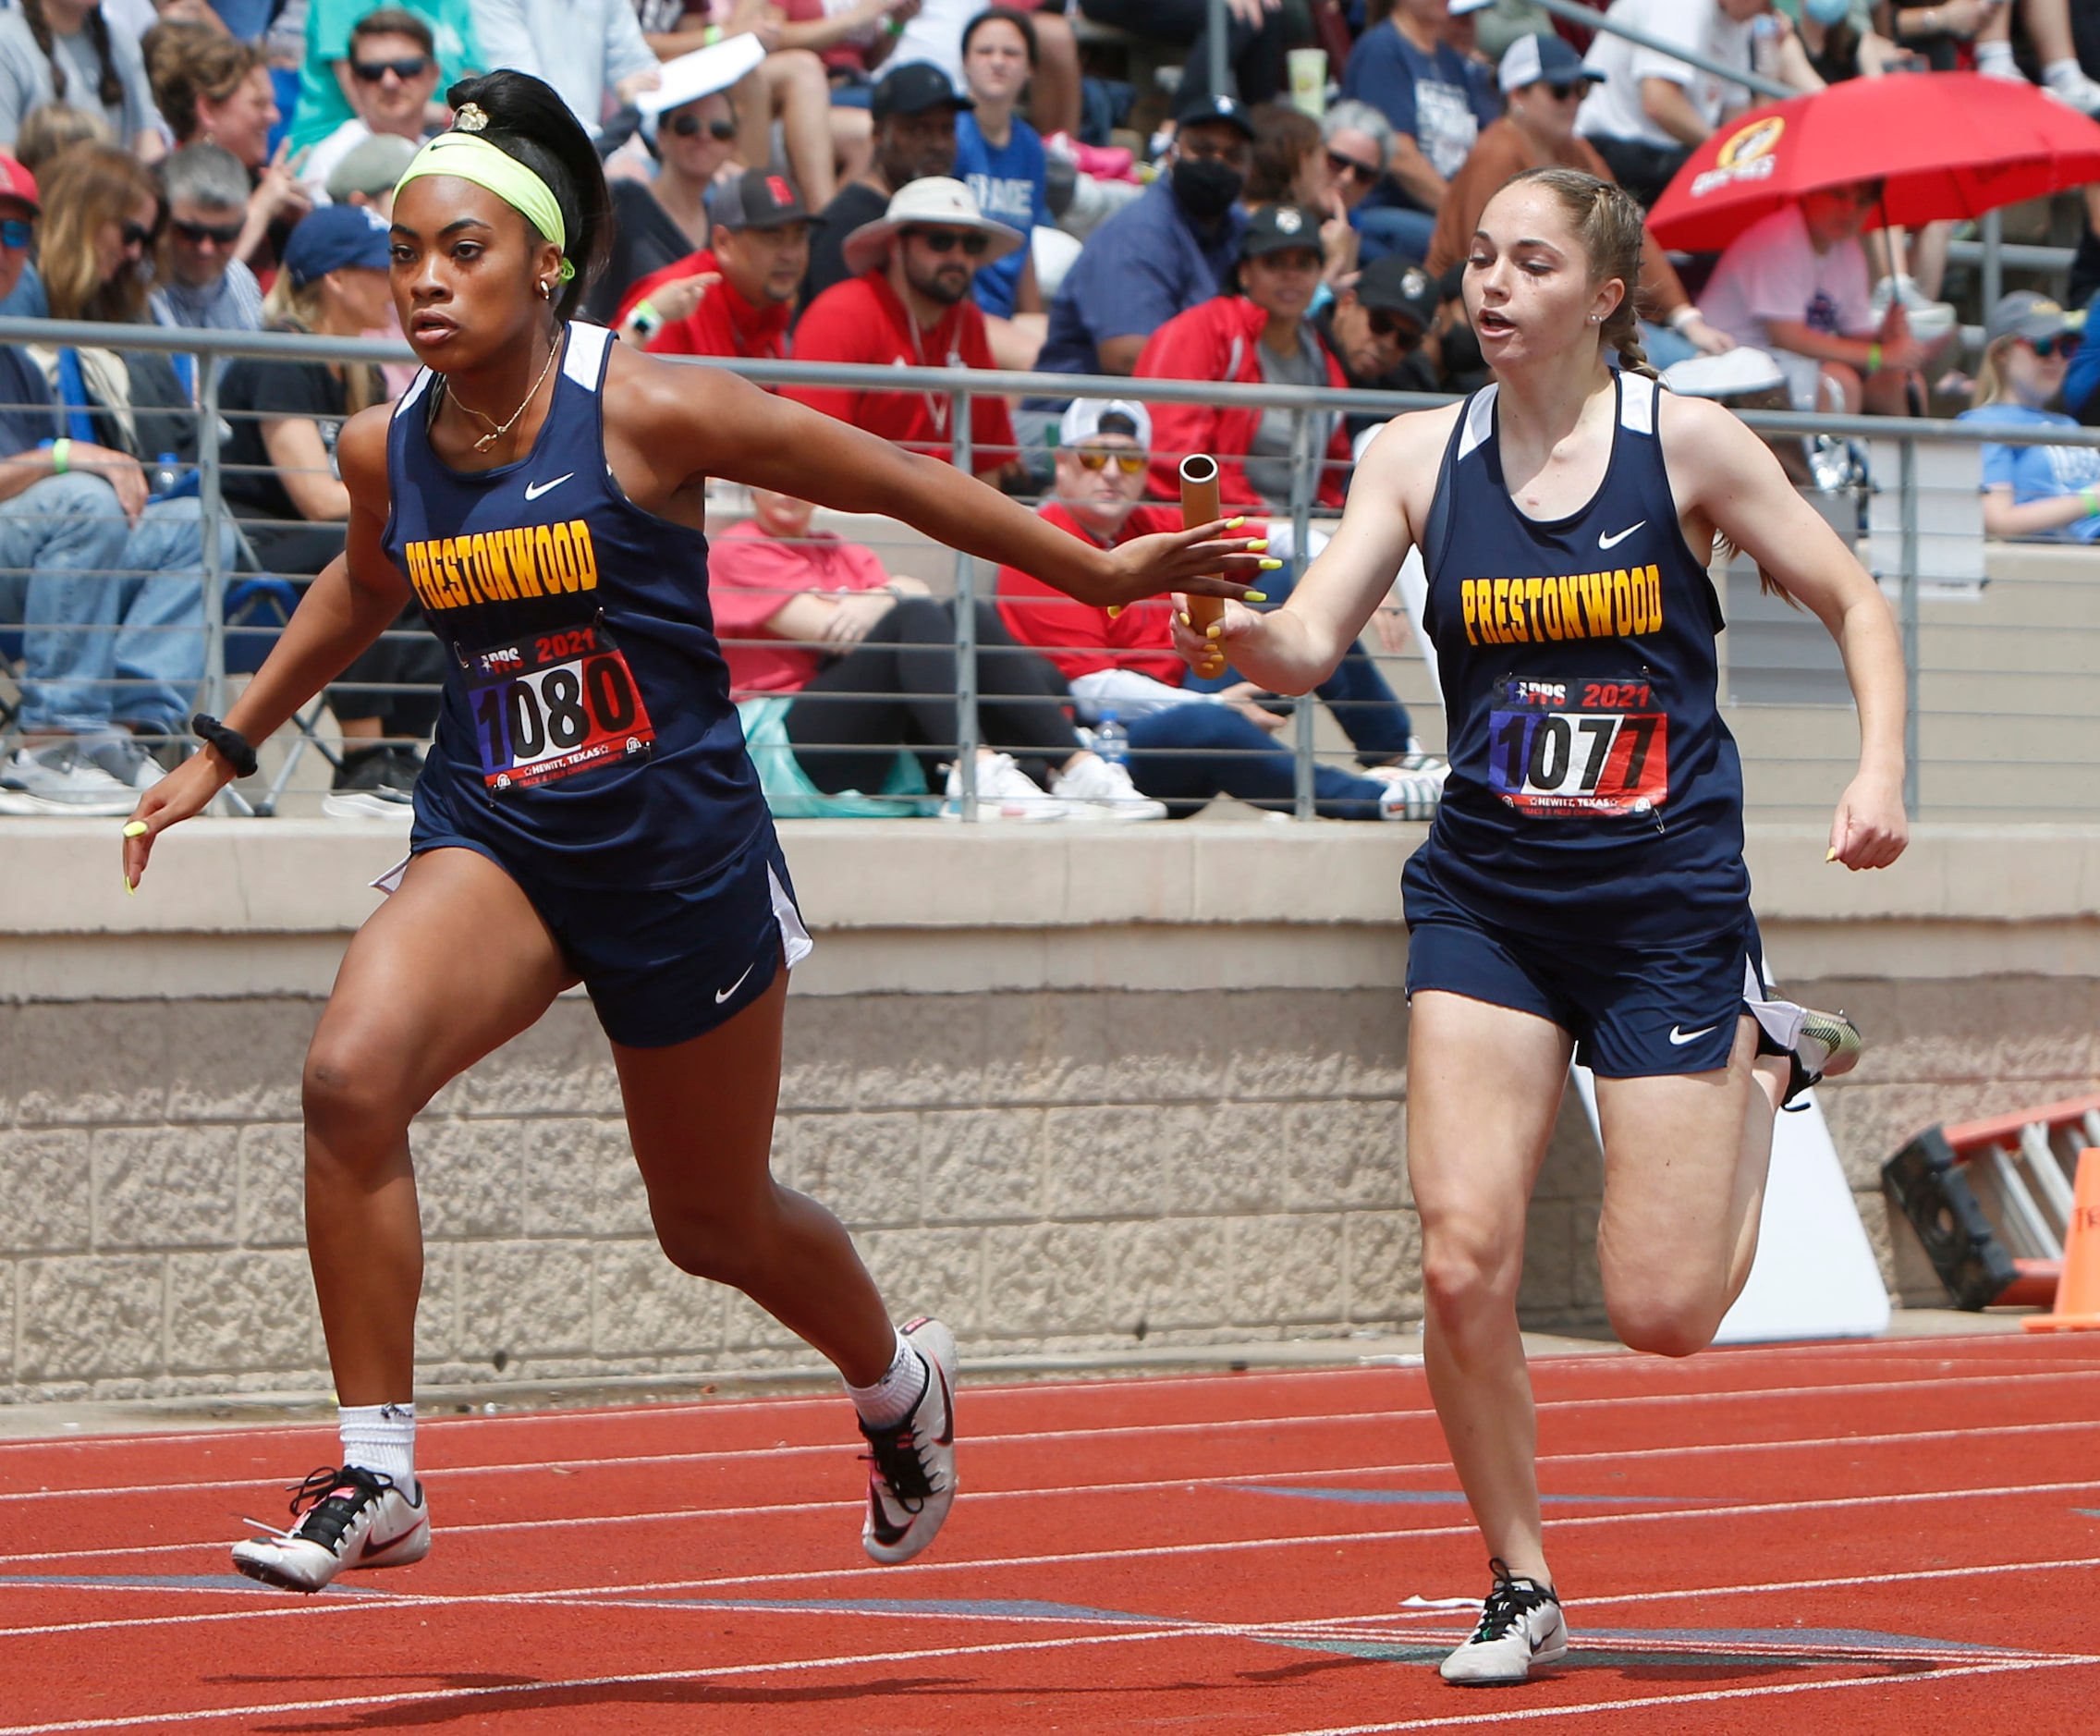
x,y
1828,12
1207,187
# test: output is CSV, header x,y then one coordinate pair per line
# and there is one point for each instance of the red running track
x,y
1870,1536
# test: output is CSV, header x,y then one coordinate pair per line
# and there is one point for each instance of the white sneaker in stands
x,y
348,1518
1520,1625
911,1464
1101,789
1413,786
1004,792
2072,88
1929,320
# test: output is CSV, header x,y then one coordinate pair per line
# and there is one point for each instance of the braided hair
x,y
1608,222
109,87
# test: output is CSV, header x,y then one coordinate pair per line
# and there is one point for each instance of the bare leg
x,y
1016,342
453,965
798,95
700,1116
1483,1085
852,143
1054,101
1685,1162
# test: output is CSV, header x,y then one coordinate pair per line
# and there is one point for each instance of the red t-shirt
x,y
723,324
751,575
1072,634
861,319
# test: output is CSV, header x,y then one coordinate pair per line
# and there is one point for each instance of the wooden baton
x,y
1199,506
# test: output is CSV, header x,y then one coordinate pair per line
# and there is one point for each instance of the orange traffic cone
x,y
2078,1290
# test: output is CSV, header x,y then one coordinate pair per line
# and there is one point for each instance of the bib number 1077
x,y
1604,753
555,705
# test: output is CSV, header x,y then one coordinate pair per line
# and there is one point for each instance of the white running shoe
x,y
351,1518
1520,1626
1100,789
911,1464
60,779
1414,784
1929,320
2070,87
1004,792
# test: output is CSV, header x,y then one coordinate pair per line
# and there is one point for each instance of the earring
x,y
546,289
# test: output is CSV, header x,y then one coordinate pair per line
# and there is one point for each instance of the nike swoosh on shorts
x,y
1681,1037
722,994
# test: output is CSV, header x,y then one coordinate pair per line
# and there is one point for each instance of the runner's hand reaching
x,y
186,790
1207,560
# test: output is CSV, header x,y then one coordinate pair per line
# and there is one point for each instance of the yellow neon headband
x,y
475,159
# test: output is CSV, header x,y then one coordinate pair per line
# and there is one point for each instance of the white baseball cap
x,y
934,200
1084,416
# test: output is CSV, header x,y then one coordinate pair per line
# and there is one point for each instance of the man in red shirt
x,y
737,294
911,307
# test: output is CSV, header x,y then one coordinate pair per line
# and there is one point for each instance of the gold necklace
x,y
494,432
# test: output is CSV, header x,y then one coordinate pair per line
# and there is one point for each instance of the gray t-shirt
x,y
1268,460
26,83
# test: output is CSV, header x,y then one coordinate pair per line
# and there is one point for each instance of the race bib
x,y
1559,748
555,705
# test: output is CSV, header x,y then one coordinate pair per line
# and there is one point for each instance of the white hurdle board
x,y
1815,1275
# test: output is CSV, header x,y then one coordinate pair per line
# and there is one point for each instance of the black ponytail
x,y
528,121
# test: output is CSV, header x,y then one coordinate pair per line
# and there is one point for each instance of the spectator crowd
x,y
932,183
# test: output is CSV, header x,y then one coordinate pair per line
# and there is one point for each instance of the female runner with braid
x,y
1582,889
587,811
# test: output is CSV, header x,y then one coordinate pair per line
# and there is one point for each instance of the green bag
x,y
791,796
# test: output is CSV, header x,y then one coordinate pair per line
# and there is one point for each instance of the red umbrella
x,y
1945,144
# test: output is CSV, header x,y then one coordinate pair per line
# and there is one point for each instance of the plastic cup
x,y
1309,80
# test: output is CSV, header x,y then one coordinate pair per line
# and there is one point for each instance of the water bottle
x,y
1111,740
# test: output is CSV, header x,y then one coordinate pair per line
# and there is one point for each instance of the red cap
x,y
15,182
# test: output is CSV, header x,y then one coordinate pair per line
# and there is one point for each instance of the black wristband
x,y
239,753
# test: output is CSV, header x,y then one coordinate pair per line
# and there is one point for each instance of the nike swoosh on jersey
x,y
722,994
534,490
1612,540
1681,1037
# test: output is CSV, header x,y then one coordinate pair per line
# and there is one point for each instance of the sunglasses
x,y
197,233
971,241
1389,324
136,235
1563,92
684,126
372,71
16,234
1363,172
1092,459
2061,345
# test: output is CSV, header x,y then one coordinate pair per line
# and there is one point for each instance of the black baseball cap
x,y
757,199
915,89
1202,105
1398,286
1278,228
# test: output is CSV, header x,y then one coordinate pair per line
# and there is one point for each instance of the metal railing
x,y
2000,716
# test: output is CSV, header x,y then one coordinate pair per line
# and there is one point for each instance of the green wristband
x,y
61,456
2090,501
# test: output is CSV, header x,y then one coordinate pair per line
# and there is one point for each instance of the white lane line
x,y
920,1569
1235,1480
1709,1696
1038,1437
1878,1354
850,1660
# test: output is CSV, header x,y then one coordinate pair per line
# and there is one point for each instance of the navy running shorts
x,y
1635,1012
665,964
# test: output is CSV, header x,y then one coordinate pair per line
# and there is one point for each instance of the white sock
x,y
890,1399
1996,58
2058,73
381,1438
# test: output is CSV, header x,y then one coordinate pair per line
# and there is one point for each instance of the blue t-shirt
x,y
1429,97
1139,269
1009,183
28,419
2039,472
2081,379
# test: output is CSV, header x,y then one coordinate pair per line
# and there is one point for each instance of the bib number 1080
x,y
1591,758
554,706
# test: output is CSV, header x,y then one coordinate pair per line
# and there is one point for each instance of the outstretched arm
x,y
706,422
1720,469
354,599
1293,648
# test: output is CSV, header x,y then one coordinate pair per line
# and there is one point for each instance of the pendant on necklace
x,y
484,443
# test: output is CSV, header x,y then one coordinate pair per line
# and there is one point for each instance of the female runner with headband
x,y
1583,888
587,811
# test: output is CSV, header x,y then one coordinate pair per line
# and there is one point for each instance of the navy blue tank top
x,y
1594,790
585,736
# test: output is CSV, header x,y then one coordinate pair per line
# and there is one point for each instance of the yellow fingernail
x,y
130,891
1233,524
1114,610
138,829
1258,546
1831,856
1271,565
1215,630
1186,621
1257,596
